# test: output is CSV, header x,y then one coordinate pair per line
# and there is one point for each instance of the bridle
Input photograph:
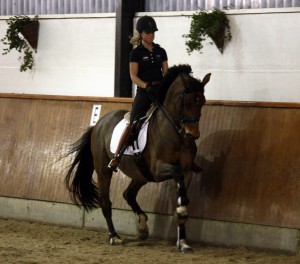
x,y
179,123
182,119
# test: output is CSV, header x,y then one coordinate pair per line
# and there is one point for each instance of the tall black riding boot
x,y
114,163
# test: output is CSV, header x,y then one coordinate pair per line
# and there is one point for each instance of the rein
x,y
178,125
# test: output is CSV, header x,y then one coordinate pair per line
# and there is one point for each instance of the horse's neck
x,y
172,101
166,118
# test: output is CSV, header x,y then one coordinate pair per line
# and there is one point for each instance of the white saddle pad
x,y
142,138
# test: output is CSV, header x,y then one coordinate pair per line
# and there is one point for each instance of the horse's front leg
x,y
167,171
181,212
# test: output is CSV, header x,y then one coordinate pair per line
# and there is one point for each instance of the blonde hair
x,y
135,39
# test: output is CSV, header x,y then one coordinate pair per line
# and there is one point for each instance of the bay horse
x,y
169,153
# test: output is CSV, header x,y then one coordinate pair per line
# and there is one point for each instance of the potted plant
x,y
25,42
213,24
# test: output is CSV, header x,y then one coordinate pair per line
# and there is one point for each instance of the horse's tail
x,y
79,182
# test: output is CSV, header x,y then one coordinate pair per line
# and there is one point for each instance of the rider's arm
x,y
134,69
165,67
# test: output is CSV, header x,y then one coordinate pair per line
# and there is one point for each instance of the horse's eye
x,y
200,100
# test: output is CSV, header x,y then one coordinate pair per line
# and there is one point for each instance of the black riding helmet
x,y
146,24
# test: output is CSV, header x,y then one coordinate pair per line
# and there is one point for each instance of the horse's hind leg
x,y
130,195
104,180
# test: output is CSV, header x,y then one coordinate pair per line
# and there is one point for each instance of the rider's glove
x,y
152,90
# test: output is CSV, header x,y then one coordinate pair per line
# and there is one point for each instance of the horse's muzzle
x,y
191,137
192,132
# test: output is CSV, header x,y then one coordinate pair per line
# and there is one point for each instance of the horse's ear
x,y
206,79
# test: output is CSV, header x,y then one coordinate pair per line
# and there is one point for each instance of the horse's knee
x,y
181,212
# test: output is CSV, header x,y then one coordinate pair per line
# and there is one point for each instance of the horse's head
x,y
192,100
188,95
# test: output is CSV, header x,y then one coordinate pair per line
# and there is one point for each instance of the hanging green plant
x,y
213,24
25,43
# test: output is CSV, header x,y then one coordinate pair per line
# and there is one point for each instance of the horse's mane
x,y
170,76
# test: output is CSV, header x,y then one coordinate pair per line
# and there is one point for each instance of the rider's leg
x,y
114,163
140,106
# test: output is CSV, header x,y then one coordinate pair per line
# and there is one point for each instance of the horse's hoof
x,y
143,234
116,240
184,247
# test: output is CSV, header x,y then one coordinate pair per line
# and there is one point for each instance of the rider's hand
x,y
152,90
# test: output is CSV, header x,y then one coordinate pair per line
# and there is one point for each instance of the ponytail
x,y
135,39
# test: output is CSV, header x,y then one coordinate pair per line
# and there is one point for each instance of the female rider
x,y
147,65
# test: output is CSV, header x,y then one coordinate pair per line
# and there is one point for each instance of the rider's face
x,y
148,37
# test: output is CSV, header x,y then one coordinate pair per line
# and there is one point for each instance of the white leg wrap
x,y
183,246
182,210
181,214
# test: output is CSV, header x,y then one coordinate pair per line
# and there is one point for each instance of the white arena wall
x,y
76,56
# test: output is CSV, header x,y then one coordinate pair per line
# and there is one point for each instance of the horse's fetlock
x,y
142,226
112,234
142,218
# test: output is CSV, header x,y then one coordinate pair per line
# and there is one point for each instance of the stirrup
x,y
111,166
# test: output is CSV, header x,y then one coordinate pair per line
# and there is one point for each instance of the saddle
x,y
138,140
